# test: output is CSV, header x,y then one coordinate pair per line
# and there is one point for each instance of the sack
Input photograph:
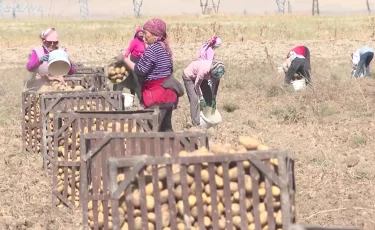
x,y
172,83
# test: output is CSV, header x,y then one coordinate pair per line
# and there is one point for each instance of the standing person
x,y
207,50
135,50
195,78
38,60
159,88
299,59
361,59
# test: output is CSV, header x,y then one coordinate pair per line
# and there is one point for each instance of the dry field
x,y
329,128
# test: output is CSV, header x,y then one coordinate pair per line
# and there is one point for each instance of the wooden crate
x,y
308,227
247,199
78,101
31,119
89,70
70,126
90,81
99,147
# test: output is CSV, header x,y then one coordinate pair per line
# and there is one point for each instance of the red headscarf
x,y
159,28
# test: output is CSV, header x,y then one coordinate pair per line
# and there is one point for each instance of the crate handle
x,y
267,171
139,165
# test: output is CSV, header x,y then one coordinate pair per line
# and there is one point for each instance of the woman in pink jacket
x,y
135,51
38,61
207,50
200,94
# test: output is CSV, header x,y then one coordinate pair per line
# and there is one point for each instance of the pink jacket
x,y
34,64
206,53
136,47
198,71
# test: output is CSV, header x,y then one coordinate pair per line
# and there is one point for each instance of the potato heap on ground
x,y
56,86
74,154
117,73
32,116
191,219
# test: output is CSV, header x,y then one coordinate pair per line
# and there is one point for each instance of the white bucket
x,y
209,117
58,63
128,100
299,84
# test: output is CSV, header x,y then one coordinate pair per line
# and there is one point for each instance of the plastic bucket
x,y
209,118
128,100
58,63
299,84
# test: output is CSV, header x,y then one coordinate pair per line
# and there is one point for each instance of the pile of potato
x,y
245,144
56,86
62,153
117,73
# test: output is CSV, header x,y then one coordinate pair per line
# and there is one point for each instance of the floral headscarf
x,y
159,28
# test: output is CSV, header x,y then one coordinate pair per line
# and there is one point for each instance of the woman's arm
x,y
145,64
33,62
130,48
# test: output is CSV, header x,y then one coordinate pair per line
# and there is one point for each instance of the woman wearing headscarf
x,y
135,50
194,77
38,61
207,50
298,62
159,88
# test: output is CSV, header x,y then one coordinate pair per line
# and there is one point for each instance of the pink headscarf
x,y
159,28
49,35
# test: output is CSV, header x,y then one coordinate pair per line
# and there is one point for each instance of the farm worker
x,y
298,62
207,50
200,94
361,59
135,51
159,88
38,61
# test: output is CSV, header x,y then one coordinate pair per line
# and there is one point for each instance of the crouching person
x,y
200,93
298,62
361,60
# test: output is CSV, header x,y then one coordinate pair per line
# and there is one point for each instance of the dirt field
x,y
330,128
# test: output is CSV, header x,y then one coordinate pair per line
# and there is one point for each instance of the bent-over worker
x,y
299,59
159,88
200,94
38,61
361,60
207,50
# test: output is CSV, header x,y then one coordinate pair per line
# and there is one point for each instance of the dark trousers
x,y
364,62
131,81
300,66
194,99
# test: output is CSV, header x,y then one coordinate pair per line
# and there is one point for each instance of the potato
x,y
248,142
122,70
263,148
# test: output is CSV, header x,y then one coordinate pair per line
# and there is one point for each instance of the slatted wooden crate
x,y
31,120
223,191
97,148
89,70
78,101
90,81
67,136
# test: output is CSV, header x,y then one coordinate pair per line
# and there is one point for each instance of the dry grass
x,y
328,127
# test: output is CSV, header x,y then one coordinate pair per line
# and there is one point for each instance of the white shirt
x,y
356,57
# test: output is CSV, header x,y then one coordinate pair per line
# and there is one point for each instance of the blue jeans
x,y
364,62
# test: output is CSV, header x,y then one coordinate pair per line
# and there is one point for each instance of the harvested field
x,y
330,127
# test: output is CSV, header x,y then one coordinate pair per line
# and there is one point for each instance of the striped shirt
x,y
154,64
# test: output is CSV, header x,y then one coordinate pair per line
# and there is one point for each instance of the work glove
x,y
44,58
202,103
213,105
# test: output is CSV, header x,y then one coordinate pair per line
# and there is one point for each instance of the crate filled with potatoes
x,y
116,73
215,188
